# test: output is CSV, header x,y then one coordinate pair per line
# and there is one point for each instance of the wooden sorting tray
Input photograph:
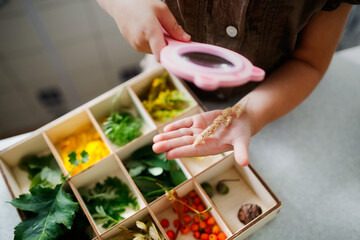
x,y
250,189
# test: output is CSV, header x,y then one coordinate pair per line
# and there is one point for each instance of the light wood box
x,y
250,189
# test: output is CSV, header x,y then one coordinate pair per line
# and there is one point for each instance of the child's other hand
x,y
140,22
179,136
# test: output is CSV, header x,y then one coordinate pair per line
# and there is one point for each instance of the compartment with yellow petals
x,y
77,134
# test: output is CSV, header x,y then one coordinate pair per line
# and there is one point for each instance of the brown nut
x,y
248,212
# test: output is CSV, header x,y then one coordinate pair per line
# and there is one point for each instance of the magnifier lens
x,y
207,60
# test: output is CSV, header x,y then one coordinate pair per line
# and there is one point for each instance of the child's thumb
x,y
241,153
169,23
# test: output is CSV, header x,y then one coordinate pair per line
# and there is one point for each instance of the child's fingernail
x,y
186,37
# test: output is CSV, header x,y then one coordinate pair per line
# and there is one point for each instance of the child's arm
x,y
140,22
282,91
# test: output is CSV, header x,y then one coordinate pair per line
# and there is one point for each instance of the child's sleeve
x,y
331,5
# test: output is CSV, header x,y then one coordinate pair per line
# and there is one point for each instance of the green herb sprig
x,y
108,200
122,128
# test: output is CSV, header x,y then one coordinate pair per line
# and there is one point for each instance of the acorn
x,y
208,189
248,212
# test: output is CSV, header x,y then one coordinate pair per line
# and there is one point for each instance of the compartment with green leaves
x,y
107,194
148,169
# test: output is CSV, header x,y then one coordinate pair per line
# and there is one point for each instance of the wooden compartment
x,y
120,102
17,179
108,167
249,189
140,89
163,209
77,133
126,155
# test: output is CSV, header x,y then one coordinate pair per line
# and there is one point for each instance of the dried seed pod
x,y
225,118
248,212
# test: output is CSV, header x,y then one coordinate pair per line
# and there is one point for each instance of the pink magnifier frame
x,y
240,72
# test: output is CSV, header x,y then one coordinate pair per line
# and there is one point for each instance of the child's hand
x,y
140,22
179,136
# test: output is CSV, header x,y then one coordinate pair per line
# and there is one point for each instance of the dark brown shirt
x,y
266,32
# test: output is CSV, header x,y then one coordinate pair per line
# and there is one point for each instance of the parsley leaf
x,y
73,158
122,128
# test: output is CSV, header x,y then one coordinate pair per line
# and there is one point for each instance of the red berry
x,y
185,229
185,200
211,221
187,218
197,200
200,208
164,223
202,225
193,206
176,223
196,219
204,236
186,209
170,234
197,235
192,194
194,227
208,229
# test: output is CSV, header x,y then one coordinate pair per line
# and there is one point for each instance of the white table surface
x,y
310,159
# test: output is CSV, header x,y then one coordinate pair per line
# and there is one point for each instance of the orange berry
x,y
211,221
208,229
204,236
192,194
212,237
197,235
176,223
202,225
215,229
194,227
196,219
200,208
205,216
187,218
197,200
221,236
170,234
185,229
164,223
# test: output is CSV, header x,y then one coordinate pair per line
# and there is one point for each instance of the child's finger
x,y
183,123
241,153
157,41
165,146
211,147
169,23
175,134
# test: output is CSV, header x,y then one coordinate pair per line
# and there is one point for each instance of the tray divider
x,y
130,180
55,153
138,104
222,223
100,131
85,209
157,223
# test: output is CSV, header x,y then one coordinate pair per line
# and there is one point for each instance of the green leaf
x,y
177,176
156,171
54,212
137,170
72,158
85,157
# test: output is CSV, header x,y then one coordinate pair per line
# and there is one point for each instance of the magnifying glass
x,y
207,66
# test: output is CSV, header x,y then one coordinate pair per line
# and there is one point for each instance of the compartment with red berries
x,y
186,213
